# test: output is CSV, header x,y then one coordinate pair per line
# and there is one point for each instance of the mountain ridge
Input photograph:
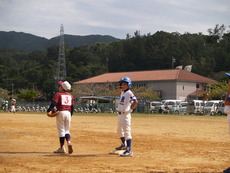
x,y
28,42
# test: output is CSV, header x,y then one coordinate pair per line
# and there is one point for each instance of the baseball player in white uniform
x,y
227,111
227,102
126,106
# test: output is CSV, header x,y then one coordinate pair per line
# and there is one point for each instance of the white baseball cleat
x,y
60,150
70,148
127,154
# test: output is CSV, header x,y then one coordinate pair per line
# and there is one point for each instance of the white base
x,y
117,152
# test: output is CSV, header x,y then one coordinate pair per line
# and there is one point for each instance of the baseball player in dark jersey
x,y
64,102
13,106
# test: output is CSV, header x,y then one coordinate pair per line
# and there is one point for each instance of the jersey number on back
x,y
66,100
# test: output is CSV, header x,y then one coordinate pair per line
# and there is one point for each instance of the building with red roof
x,y
171,84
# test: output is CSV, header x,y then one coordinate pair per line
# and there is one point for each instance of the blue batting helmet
x,y
126,80
228,74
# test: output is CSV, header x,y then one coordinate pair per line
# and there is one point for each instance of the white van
x,y
195,107
167,105
210,108
220,108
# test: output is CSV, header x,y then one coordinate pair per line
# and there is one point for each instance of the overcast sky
x,y
112,17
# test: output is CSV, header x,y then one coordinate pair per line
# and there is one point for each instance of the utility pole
x,y
12,90
61,65
33,93
107,62
173,61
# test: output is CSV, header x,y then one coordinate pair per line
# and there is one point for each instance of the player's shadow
x,y
81,155
49,154
32,152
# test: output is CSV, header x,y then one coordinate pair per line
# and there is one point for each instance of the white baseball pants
x,y
227,111
63,120
13,109
124,126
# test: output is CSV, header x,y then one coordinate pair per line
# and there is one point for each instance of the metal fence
x,y
103,107
110,107
79,107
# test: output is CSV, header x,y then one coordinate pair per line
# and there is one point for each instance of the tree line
x,y
34,72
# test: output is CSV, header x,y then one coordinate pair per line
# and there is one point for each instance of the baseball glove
x,y
52,113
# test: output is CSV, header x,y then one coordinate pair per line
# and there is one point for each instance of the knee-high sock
x,y
129,144
67,137
62,141
123,140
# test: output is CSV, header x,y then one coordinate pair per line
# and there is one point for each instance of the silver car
x,y
181,108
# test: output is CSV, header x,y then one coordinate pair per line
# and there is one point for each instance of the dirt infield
x,y
162,143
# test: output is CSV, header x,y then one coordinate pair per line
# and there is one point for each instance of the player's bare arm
x,y
119,90
133,106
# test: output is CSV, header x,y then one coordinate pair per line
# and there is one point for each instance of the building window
x,y
205,88
138,85
183,87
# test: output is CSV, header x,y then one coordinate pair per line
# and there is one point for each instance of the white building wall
x,y
184,89
178,90
167,88
173,89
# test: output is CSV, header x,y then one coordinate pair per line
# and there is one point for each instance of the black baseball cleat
x,y
122,147
227,170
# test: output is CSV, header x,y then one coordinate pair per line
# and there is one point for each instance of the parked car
x,y
210,108
153,105
166,106
180,109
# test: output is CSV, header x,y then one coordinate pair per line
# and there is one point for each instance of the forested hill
x,y
209,56
27,42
